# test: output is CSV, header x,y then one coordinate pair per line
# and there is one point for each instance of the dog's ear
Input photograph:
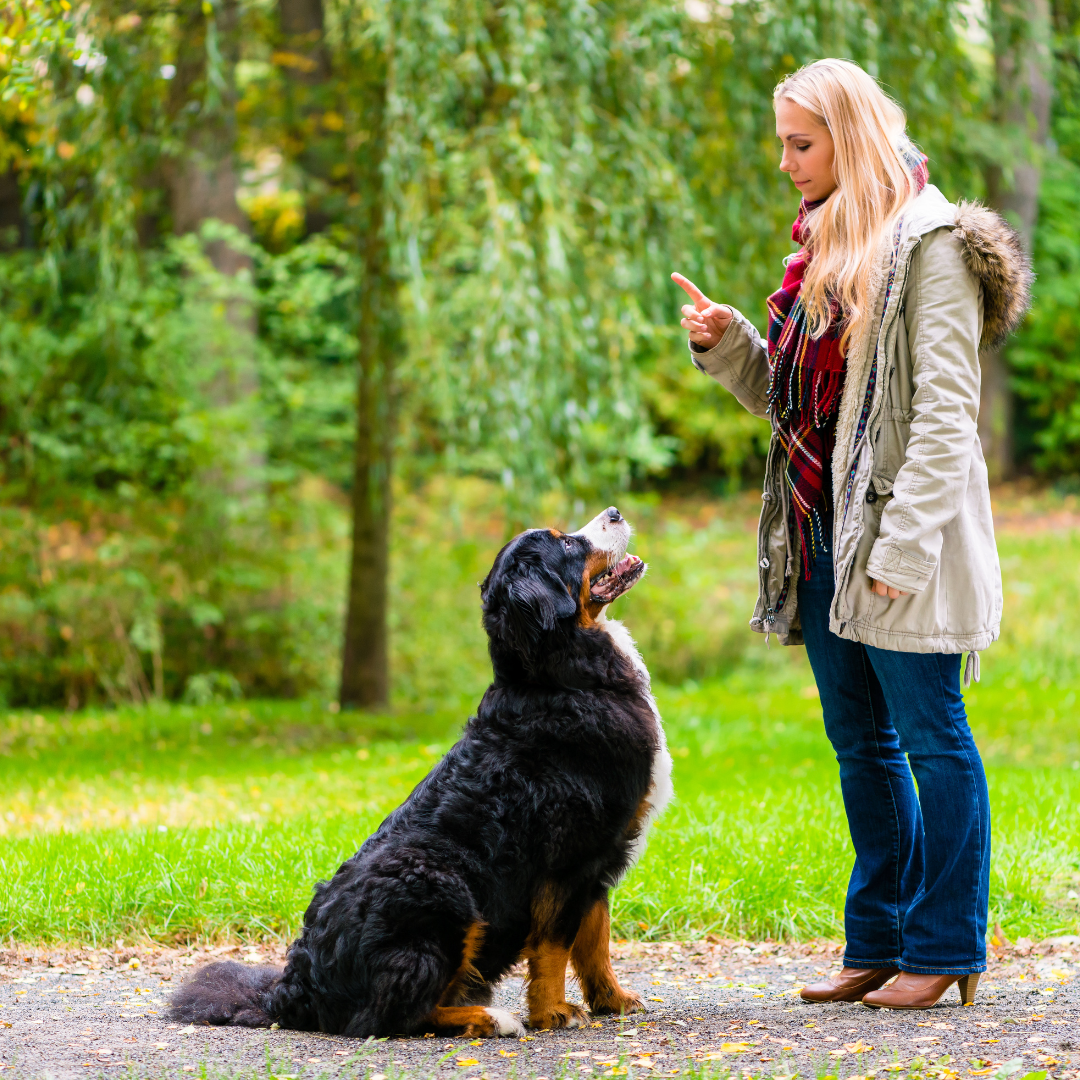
x,y
536,601
520,606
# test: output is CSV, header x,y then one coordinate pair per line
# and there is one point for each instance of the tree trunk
x,y
303,32
202,184
202,181
12,222
1022,59
313,112
365,676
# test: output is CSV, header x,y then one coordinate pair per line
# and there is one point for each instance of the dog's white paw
x,y
576,1020
506,1023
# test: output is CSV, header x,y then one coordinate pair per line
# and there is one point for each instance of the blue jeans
x,y
919,890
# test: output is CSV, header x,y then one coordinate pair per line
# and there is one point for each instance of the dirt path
x,y
93,1013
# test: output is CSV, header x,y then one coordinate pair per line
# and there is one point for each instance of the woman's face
x,y
807,150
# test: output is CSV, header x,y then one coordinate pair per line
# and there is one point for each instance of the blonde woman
x,y
876,545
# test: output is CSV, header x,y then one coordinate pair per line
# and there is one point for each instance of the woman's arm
x,y
726,346
931,484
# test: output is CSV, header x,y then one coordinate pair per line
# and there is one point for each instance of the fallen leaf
x,y
736,1047
465,1062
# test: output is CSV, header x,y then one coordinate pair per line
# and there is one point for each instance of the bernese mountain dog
x,y
509,847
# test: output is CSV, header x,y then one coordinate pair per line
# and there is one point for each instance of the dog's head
x,y
546,581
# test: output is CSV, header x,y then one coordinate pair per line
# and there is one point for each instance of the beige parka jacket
x,y
912,502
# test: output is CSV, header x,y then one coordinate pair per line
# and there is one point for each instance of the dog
x,y
509,847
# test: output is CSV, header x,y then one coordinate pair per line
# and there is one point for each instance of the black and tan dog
x,y
508,848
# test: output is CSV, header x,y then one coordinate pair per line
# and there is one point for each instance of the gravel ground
x,y
734,1006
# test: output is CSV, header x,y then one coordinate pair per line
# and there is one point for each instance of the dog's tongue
x,y
608,584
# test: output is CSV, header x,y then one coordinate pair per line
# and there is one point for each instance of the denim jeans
x,y
919,890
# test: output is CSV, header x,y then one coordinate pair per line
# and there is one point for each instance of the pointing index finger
x,y
688,287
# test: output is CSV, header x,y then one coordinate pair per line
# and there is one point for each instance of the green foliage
x,y
548,166
1045,356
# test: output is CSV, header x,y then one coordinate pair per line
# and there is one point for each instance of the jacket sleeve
x,y
930,486
740,363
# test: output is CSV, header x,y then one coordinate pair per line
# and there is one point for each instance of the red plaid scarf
x,y
806,381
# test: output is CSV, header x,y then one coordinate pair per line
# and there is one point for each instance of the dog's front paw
x,y
616,1000
561,1015
506,1023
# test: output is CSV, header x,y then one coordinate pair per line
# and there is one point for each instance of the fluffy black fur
x,y
540,796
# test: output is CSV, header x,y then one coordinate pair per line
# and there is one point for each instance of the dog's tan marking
x,y
589,609
547,959
592,964
633,829
471,1020
466,979
546,989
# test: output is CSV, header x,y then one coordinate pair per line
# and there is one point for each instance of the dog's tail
x,y
227,993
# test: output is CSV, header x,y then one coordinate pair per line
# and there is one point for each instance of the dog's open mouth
x,y
615,580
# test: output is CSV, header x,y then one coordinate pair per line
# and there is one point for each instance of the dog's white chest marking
x,y
660,789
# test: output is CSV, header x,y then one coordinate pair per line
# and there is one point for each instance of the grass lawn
x,y
183,822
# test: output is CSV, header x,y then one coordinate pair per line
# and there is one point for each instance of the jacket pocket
x,y
890,450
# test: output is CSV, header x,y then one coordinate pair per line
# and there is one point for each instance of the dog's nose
x,y
613,515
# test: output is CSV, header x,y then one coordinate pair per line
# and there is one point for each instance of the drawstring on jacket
x,y
971,668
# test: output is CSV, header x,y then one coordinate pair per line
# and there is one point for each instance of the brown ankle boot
x,y
849,985
921,991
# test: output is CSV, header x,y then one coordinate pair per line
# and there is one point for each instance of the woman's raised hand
x,y
705,321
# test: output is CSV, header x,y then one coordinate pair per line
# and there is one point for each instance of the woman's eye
x,y
806,147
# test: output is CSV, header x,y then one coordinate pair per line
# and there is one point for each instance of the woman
x,y
876,544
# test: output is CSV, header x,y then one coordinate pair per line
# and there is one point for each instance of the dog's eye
x,y
568,543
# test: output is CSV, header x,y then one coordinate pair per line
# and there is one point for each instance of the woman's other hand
x,y
705,321
882,589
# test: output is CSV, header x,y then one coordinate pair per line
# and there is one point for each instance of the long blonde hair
x,y
874,185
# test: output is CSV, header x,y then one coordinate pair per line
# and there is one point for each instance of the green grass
x,y
186,822
183,822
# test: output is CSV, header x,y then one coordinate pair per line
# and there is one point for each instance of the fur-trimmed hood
x,y
994,253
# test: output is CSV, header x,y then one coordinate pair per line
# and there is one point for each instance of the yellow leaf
x,y
736,1047
660,999
465,1062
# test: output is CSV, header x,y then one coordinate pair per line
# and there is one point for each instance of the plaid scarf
x,y
806,382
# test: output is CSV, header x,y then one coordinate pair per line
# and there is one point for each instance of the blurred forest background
x,y
283,280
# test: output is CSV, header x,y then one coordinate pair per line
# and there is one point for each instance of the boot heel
x,y
966,985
